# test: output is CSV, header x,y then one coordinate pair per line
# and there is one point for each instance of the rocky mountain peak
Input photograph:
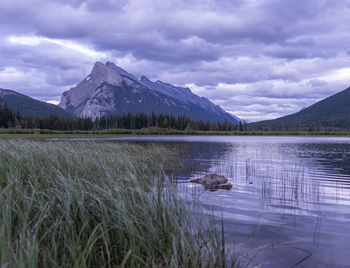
x,y
109,89
144,79
101,73
116,68
109,73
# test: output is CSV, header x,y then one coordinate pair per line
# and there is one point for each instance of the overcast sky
x,y
258,59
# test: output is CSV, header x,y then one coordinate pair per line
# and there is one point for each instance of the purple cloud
x,y
258,59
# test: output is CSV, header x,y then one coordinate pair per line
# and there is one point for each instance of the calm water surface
x,y
292,194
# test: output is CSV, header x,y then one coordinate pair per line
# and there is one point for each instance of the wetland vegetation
x,y
102,204
121,202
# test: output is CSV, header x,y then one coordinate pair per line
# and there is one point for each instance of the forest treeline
x,y
11,119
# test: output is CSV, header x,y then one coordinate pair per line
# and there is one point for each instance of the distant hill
x,y
29,106
110,90
330,113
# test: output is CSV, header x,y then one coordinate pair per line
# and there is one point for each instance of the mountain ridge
x,y
110,90
30,106
330,112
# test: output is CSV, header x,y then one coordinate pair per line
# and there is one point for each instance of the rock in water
x,y
213,182
210,179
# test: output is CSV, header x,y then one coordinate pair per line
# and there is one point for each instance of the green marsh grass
x,y
102,204
47,133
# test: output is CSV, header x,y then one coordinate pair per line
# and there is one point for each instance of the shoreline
x,y
119,133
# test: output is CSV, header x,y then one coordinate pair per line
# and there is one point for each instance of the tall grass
x,y
80,204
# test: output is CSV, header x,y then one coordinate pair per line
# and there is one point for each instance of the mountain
x,y
110,90
330,113
29,106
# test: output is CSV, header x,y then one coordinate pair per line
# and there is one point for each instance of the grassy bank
x,y
46,133
79,204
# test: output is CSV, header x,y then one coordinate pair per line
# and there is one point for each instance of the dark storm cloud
x,y
158,27
267,51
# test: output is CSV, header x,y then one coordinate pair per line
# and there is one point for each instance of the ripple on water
x,y
294,189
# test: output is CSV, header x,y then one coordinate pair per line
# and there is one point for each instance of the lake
x,y
290,196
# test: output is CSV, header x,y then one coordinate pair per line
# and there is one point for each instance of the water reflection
x,y
294,189
291,176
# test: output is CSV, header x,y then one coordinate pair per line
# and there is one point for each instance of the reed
x,y
102,204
